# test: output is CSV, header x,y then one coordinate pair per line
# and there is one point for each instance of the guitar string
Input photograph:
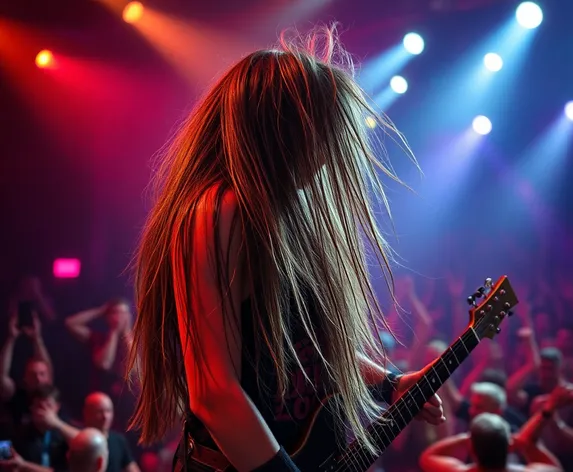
x,y
353,454
358,454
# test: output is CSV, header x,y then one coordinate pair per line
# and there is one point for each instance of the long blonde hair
x,y
284,130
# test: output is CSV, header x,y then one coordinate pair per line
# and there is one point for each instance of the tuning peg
x,y
510,313
488,283
470,300
507,305
498,330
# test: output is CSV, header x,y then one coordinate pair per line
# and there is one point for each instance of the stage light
x,y
493,62
413,43
370,122
132,12
67,268
399,84
44,59
482,125
529,15
569,110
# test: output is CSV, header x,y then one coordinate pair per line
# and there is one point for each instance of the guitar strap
x,y
181,455
185,443
190,448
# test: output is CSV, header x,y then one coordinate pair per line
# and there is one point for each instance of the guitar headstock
x,y
490,305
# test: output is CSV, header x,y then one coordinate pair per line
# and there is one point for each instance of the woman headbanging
x,y
252,286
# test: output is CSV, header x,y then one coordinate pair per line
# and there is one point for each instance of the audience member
x,y
523,389
485,397
37,372
98,414
41,445
88,452
109,348
30,291
490,443
557,408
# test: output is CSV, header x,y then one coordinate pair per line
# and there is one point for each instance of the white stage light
x,y
569,110
399,84
493,62
529,15
413,43
482,125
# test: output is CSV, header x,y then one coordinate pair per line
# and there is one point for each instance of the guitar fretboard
x,y
400,414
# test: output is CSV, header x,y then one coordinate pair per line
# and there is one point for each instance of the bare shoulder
x,y
207,202
214,229
211,212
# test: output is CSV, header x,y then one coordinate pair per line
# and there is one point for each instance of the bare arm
x,y
441,456
35,334
216,396
66,430
517,380
7,385
473,376
31,467
17,463
78,324
103,356
526,442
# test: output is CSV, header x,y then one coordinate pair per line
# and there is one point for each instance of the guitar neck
x,y
401,413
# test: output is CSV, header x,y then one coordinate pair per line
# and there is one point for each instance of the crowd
x,y
511,402
39,429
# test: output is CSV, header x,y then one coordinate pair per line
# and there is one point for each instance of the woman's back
x,y
265,195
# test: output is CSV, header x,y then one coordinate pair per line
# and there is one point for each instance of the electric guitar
x,y
318,450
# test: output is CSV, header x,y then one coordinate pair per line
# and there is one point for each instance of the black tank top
x,y
288,416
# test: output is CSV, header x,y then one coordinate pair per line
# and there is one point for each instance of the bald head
x,y
88,452
98,411
490,438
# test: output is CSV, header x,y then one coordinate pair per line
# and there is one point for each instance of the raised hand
x,y
45,416
13,329
34,331
14,464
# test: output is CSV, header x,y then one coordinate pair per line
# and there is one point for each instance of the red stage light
x,y
44,59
